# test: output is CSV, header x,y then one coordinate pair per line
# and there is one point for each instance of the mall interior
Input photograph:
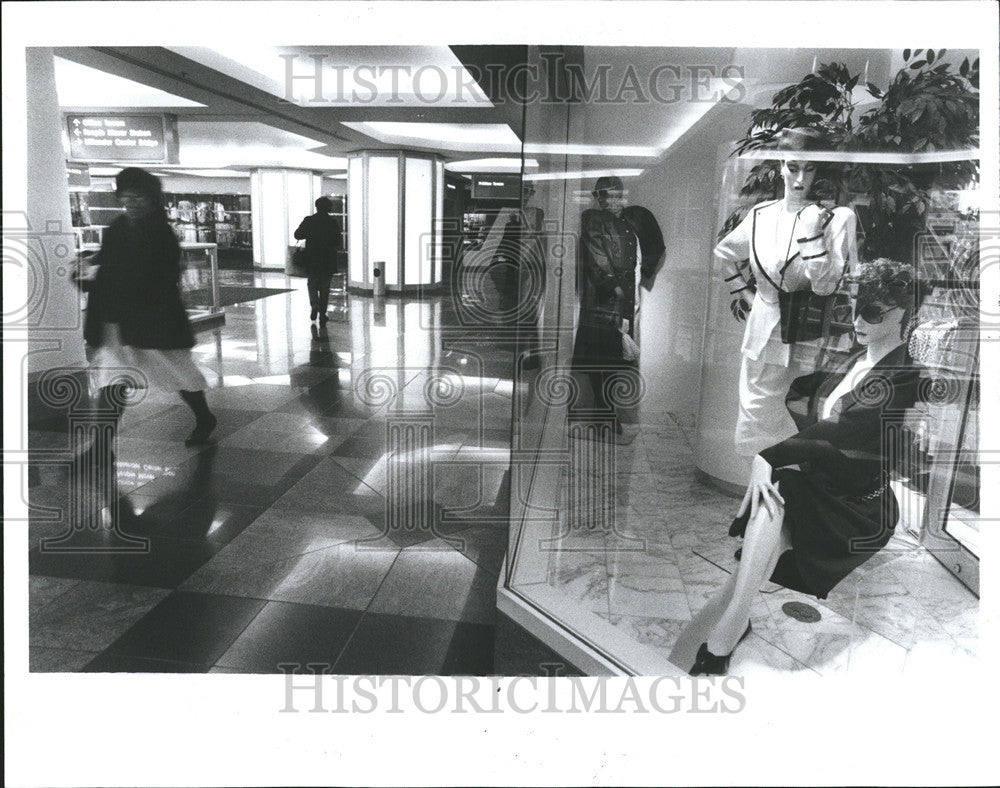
x,y
401,489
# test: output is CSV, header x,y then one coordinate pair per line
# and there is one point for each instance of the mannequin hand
x,y
761,491
813,219
740,308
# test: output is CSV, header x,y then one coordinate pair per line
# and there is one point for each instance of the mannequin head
x,y
798,177
139,192
610,193
798,173
885,301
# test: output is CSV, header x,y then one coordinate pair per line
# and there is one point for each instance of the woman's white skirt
x,y
170,370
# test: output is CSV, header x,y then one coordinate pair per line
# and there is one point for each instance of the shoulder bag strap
x,y
816,237
822,231
753,247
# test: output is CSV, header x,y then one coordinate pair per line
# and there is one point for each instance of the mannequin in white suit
x,y
818,242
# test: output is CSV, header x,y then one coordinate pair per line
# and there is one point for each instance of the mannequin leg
x,y
765,540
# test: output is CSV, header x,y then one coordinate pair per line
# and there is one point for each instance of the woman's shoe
x,y
202,429
708,664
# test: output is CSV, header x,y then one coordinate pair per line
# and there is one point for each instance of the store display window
x,y
627,465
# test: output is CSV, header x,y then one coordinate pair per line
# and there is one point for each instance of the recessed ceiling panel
x,y
219,144
316,76
82,86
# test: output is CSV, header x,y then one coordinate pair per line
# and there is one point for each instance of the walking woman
x,y
136,321
818,504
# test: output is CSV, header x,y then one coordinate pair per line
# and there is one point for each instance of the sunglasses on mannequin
x,y
871,312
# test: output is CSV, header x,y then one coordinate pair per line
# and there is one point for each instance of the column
x,y
396,200
39,248
280,198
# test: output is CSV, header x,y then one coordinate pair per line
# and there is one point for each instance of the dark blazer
x,y
323,236
607,260
848,452
137,286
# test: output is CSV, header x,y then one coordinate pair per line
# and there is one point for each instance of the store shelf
x,y
222,219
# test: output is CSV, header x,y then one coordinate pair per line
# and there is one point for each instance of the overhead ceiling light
x,y
209,173
582,174
454,136
509,164
570,149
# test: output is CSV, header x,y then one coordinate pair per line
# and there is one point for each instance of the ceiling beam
x,y
490,67
230,99
224,96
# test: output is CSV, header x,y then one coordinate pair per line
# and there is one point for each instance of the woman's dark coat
x,y
137,286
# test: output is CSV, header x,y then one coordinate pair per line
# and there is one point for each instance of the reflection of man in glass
x,y
518,266
613,240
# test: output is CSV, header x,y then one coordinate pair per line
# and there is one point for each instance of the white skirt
x,y
170,370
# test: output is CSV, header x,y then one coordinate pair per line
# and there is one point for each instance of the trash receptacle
x,y
378,279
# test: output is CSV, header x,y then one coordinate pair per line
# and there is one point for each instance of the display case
x,y
222,219
945,342
200,284
618,531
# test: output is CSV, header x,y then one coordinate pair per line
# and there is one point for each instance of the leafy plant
x,y
926,107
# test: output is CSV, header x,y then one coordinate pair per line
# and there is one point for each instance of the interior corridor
x,y
270,547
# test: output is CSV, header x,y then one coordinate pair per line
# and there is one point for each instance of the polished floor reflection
x,y
632,588
281,543
308,534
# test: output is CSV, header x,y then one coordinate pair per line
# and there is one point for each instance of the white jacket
x,y
764,249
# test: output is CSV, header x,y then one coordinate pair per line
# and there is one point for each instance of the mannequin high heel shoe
x,y
708,664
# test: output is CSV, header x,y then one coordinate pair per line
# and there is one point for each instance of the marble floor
x,y
312,532
307,533
636,584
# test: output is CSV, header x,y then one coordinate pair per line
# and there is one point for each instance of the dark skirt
x,y
832,535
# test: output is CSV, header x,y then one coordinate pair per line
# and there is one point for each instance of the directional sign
x,y
117,138
496,187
